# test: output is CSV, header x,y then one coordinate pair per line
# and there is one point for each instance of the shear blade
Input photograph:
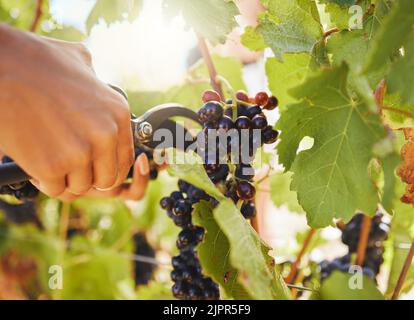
x,y
173,133
176,136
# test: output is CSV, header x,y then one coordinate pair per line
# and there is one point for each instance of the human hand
x,y
63,126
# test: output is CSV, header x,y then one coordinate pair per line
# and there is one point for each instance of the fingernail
x,y
143,164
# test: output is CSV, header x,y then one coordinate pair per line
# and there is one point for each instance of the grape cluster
x,y
21,214
377,235
350,237
150,155
24,191
143,270
234,181
189,282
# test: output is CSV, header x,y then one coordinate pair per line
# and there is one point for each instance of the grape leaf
x,y
212,19
67,33
402,119
281,193
401,77
338,17
283,76
287,26
388,194
253,40
336,287
352,46
214,254
111,11
189,167
331,178
250,255
393,34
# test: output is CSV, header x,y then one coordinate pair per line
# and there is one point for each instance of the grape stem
x,y
404,272
395,110
291,277
216,85
363,240
379,98
379,95
330,32
37,16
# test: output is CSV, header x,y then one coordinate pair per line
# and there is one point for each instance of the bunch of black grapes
x,y
24,191
350,237
143,270
21,214
154,168
232,175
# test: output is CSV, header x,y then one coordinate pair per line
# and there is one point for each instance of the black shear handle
x,y
11,173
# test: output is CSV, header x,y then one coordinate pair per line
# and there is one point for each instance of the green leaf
x,y
352,47
283,76
331,178
188,166
389,165
111,11
289,26
253,40
250,255
339,17
212,19
395,31
404,115
67,33
214,254
401,77
337,287
281,193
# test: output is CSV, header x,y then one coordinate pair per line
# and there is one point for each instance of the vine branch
x,y
363,240
302,252
37,16
379,95
404,272
395,110
215,84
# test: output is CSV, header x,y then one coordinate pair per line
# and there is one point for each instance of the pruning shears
x,y
143,129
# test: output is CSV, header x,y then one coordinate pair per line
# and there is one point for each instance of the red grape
x,y
210,95
262,98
